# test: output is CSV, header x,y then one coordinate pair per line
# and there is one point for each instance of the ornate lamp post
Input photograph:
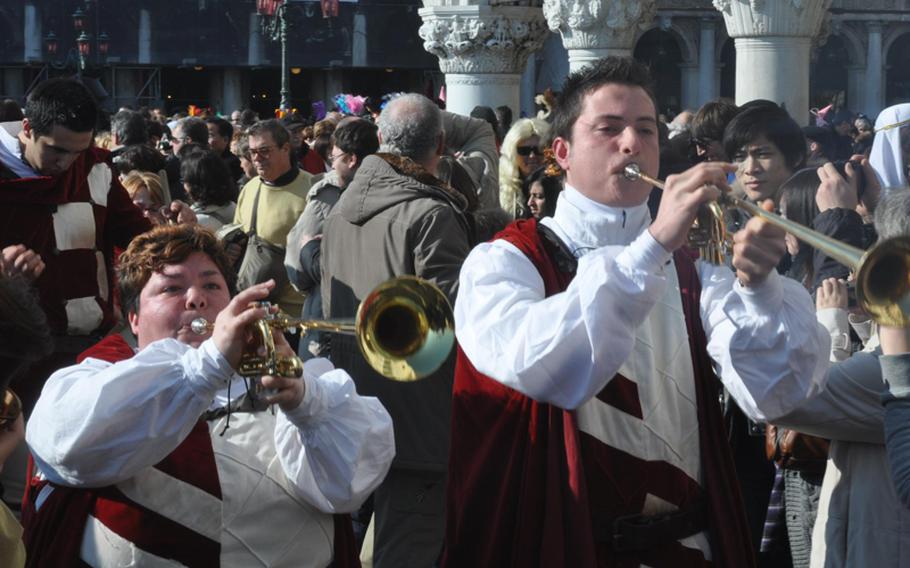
x,y
274,25
83,50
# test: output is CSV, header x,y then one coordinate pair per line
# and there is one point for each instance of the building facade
x,y
211,52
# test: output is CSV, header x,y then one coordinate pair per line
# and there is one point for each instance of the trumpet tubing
x,y
882,273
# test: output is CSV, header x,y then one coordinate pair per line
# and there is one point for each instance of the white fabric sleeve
x,y
560,350
771,352
835,321
337,446
98,423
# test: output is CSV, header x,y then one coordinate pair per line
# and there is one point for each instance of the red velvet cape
x,y
524,482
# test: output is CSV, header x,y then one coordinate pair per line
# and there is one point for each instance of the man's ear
x,y
352,160
26,127
561,150
133,318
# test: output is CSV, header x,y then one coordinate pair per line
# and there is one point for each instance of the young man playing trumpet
x,y
148,458
586,429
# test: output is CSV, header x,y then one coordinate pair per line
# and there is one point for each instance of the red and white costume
x,y
584,396
134,473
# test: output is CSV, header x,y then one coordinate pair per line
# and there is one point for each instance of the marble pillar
x,y
145,37
773,39
32,37
706,65
482,50
873,99
592,29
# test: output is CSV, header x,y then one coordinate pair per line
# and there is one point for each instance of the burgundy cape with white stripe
x,y
525,483
53,534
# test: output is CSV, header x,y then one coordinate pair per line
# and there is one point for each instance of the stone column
x,y
359,49
232,91
773,39
592,29
690,75
482,50
145,37
872,99
256,51
706,64
32,37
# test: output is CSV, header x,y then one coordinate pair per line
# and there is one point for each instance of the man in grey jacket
x,y
860,521
396,218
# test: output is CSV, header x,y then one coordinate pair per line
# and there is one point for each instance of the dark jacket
x,y
395,219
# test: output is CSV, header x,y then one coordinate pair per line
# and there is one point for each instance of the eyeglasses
x,y
701,142
526,151
263,152
334,157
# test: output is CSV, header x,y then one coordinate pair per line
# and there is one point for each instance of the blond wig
x,y
511,197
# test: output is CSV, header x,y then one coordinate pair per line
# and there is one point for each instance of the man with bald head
x,y
396,218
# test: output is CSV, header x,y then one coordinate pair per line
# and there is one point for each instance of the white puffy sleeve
x,y
337,446
771,351
561,349
99,423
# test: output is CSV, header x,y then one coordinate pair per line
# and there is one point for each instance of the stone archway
x,y
659,50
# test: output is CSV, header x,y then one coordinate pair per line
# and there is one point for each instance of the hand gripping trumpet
x,y
404,328
882,273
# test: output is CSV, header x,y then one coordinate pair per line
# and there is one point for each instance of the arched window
x,y
897,84
659,50
828,75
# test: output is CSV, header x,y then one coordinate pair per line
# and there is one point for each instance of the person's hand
x,y
834,190
758,248
894,340
231,334
304,239
683,195
182,213
10,437
289,390
872,192
17,260
831,294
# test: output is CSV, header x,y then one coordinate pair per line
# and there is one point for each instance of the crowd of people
x,y
615,398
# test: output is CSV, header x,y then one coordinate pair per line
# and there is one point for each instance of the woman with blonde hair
x,y
521,154
147,194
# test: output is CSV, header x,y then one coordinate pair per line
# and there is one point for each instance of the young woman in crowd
x,y
147,193
521,154
542,191
208,183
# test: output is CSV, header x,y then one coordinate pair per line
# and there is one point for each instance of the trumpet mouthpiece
x,y
200,326
632,172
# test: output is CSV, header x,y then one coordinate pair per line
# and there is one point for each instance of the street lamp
x,y
274,25
84,40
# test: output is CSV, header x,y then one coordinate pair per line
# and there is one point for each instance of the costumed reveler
x,y
586,429
162,457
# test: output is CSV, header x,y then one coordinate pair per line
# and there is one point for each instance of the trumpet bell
x,y
883,282
405,328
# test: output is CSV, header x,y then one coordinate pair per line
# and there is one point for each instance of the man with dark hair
x,y
769,146
353,140
188,130
164,456
586,429
708,126
270,203
819,143
128,127
220,134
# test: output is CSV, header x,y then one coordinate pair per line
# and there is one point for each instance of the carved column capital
x,y
599,24
481,39
754,18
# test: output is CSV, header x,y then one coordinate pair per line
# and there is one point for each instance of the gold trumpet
x,y
882,272
404,328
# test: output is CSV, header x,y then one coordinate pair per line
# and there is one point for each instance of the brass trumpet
x,y
404,328
882,273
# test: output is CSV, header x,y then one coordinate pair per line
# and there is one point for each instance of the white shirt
x,y
769,349
11,152
98,423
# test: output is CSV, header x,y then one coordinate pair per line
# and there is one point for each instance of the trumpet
x,y
882,273
404,328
